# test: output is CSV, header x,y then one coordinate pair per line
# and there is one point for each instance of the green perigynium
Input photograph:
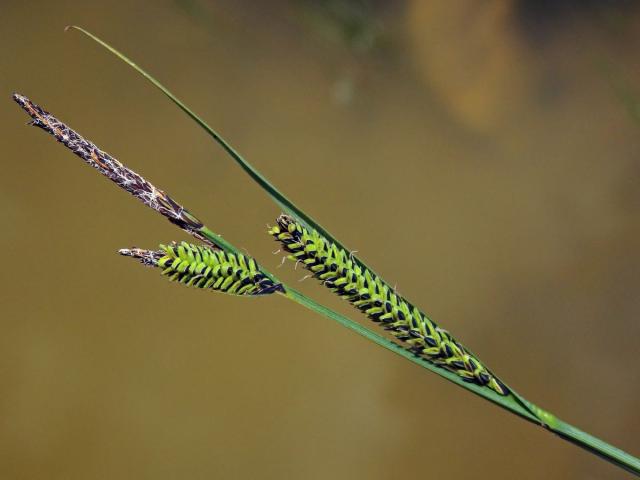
x,y
337,270
204,267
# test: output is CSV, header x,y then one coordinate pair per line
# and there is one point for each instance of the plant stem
x,y
514,402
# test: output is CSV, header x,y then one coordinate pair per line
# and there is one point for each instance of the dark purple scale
x,y
416,349
458,364
431,341
415,333
473,363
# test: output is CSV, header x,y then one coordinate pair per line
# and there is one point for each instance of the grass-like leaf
x,y
507,399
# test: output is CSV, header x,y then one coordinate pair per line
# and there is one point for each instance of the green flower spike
x,y
207,268
337,270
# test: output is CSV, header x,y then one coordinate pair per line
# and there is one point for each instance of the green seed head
x,y
208,268
339,271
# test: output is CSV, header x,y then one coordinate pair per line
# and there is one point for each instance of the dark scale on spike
x,y
362,288
431,341
447,351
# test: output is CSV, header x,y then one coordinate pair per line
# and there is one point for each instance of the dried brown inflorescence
x,y
123,176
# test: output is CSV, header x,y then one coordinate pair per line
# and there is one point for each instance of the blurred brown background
x,y
502,139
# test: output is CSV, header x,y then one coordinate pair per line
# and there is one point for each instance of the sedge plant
x,y
216,264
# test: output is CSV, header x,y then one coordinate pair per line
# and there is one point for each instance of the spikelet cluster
x,y
207,268
111,168
338,271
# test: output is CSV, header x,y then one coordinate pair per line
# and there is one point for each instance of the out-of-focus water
x,y
481,155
